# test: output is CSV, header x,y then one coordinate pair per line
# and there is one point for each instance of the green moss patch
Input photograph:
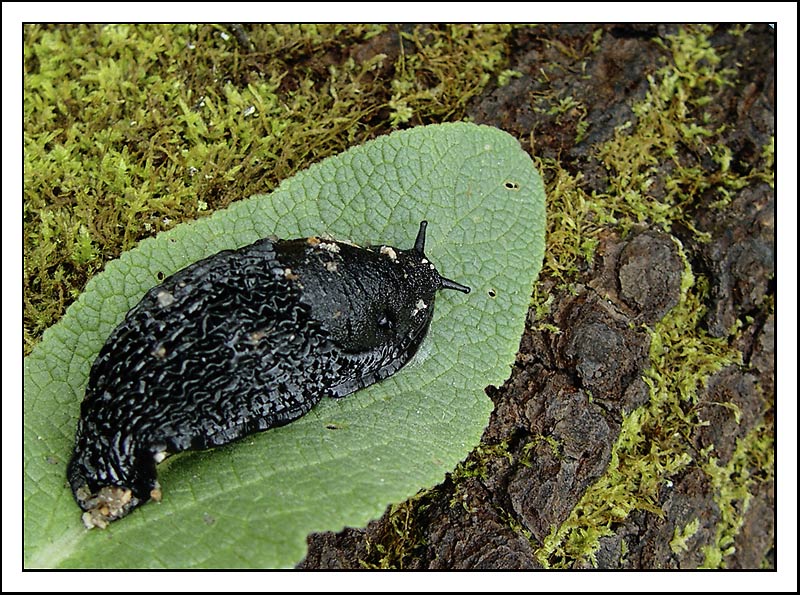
x,y
653,443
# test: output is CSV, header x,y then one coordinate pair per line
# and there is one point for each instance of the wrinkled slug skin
x,y
237,343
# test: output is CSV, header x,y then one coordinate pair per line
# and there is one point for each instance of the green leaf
x,y
252,503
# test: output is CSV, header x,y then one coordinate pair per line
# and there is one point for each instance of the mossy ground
x,y
132,129
652,446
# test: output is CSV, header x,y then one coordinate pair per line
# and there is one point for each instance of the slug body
x,y
238,343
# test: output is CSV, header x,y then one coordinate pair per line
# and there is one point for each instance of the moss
x,y
680,537
553,444
732,482
652,445
671,117
403,537
673,126
542,303
505,77
572,231
476,465
132,129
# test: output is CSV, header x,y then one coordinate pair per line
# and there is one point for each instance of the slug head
x,y
377,303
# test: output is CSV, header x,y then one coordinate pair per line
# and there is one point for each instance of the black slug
x,y
237,343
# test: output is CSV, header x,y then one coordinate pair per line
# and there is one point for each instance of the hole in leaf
x,y
160,276
492,293
511,185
